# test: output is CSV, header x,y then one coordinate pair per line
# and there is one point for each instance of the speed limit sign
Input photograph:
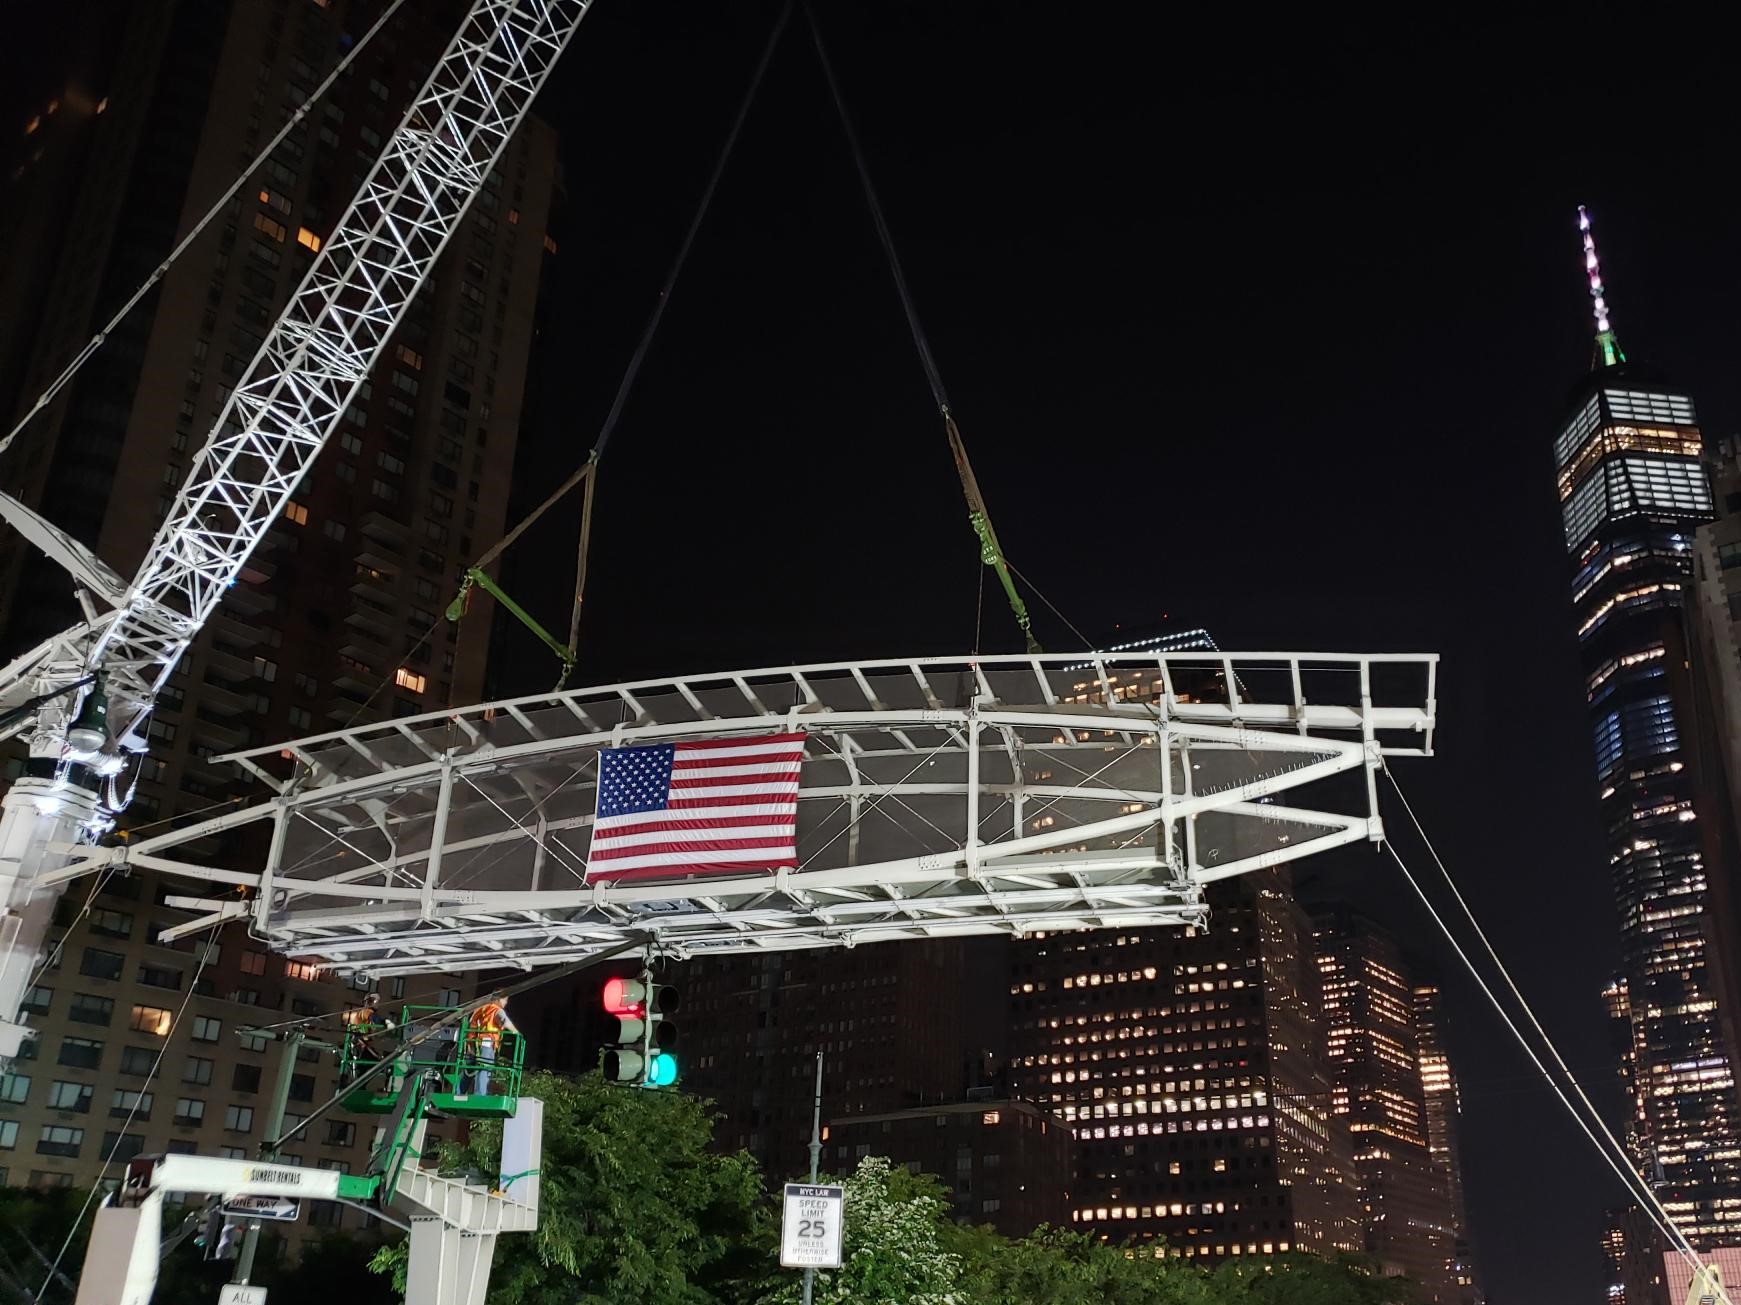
x,y
810,1226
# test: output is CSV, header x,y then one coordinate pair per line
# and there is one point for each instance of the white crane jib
x,y
280,416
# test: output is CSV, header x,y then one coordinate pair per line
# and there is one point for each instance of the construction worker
x,y
360,1028
484,1029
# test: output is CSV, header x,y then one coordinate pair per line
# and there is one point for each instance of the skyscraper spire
x,y
1607,346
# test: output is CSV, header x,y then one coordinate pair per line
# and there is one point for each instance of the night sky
x,y
1262,328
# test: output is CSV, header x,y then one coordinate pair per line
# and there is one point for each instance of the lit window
x,y
296,512
154,1020
307,238
409,679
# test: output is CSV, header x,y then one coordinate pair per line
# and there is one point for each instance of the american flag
x,y
709,807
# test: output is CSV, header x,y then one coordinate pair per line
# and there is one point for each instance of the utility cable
x,y
457,1013
162,269
1087,643
139,1097
1630,1179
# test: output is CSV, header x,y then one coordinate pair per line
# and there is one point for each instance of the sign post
x,y
810,1226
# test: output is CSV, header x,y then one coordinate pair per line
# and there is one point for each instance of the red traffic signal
x,y
624,996
638,1056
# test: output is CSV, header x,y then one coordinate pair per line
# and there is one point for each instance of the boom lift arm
x,y
280,416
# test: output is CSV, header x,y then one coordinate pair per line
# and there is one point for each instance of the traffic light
x,y
211,1228
218,1237
641,1055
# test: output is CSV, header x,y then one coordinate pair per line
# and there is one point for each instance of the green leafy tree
x,y
1308,1280
633,1207
894,1251
1061,1267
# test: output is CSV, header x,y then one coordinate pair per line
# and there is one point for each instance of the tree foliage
x,y
894,1249
633,1207
1069,1268
1308,1280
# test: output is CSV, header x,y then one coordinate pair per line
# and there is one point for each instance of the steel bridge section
x,y
940,797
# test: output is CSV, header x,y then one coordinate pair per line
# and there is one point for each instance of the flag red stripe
x,y
665,826
733,781
698,745
736,800
688,845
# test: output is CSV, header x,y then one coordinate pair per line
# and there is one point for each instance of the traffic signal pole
x,y
292,1039
815,1161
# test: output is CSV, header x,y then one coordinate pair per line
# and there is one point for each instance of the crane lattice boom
x,y
330,334
286,406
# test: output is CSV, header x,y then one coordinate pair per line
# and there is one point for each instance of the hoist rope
x,y
978,514
589,468
96,342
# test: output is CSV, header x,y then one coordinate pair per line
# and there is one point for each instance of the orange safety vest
x,y
486,1024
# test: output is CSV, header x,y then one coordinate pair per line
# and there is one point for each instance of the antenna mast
x,y
1607,345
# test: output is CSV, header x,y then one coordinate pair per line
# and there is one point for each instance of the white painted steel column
x,y
971,848
438,835
38,819
274,859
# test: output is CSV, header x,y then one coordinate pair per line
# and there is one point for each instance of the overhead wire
x,y
588,469
1613,1154
460,1012
138,1098
259,161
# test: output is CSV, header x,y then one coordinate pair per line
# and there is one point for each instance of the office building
x,y
898,1024
1716,762
1632,1260
1192,1068
1369,1013
1444,1128
1633,494
1005,1163
327,623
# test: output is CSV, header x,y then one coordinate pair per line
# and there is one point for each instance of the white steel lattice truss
x,y
318,353
939,796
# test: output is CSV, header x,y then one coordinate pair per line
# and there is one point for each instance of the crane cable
x,y
259,161
588,470
1634,1183
978,515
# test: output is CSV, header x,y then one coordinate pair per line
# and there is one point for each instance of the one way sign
x,y
263,1207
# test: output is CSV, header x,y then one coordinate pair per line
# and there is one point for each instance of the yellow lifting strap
x,y
990,551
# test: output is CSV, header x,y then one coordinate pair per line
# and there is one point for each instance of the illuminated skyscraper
x,y
1444,1127
1369,1016
1632,493
1192,1068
